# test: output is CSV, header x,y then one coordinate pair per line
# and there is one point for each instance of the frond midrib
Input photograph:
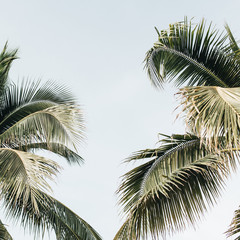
x,y
158,160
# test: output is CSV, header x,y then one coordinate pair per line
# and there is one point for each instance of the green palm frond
x,y
234,228
233,47
192,54
67,224
22,176
52,215
172,190
27,94
4,234
6,59
213,112
57,148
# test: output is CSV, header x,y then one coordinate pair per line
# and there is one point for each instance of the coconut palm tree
x,y
37,116
186,173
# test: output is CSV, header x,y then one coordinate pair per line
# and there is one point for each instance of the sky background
x,y
97,48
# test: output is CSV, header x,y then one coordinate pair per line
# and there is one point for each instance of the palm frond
x,y
172,190
234,228
167,143
37,116
60,123
30,97
23,179
28,93
6,59
4,234
52,215
22,176
57,148
31,105
124,232
192,54
68,225
233,43
213,112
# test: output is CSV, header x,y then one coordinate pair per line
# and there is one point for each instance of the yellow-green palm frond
x,y
60,123
213,112
40,113
22,176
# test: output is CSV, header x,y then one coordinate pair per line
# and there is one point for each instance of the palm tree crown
x,y
186,173
37,116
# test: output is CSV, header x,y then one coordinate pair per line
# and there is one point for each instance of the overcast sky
x,y
97,49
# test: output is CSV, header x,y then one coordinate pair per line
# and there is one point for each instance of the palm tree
x,y
37,116
186,173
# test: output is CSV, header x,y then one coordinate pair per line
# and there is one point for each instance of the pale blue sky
x,y
96,48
